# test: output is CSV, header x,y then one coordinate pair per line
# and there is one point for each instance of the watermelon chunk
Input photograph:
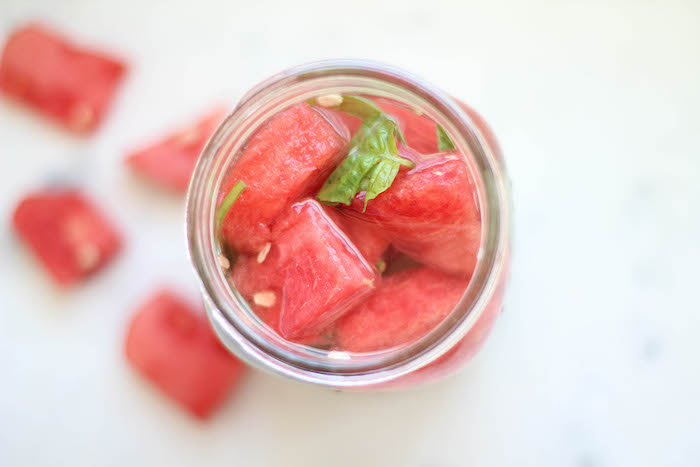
x,y
405,307
289,157
172,345
430,213
67,233
313,271
324,273
170,162
70,84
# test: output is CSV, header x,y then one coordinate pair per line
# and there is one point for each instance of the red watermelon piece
x,y
324,273
68,233
289,157
256,273
63,81
170,162
170,342
405,307
430,213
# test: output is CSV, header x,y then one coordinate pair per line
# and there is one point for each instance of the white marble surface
x,y
595,361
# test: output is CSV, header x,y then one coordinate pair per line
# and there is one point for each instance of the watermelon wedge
x,y
170,342
430,214
67,233
324,273
405,306
289,157
311,275
67,83
170,162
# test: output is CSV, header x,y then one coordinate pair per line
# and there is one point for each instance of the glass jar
x,y
446,347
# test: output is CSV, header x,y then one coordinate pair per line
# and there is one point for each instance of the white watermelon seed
x,y
262,254
266,298
223,261
330,100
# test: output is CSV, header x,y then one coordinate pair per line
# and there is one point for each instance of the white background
x,y
594,362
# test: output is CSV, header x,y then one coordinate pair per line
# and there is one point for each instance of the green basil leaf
x,y
359,107
373,160
363,108
444,141
380,178
342,185
228,201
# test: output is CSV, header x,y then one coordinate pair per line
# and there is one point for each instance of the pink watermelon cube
x,y
288,158
68,83
404,307
311,275
170,162
170,342
67,232
430,213
324,273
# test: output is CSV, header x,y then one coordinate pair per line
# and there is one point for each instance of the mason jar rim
x,y
238,327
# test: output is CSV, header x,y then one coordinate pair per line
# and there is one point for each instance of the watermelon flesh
x,y
312,270
252,277
429,213
67,233
170,342
70,84
170,162
405,307
324,273
287,159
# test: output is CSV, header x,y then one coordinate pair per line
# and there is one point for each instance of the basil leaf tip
x,y
444,141
228,201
